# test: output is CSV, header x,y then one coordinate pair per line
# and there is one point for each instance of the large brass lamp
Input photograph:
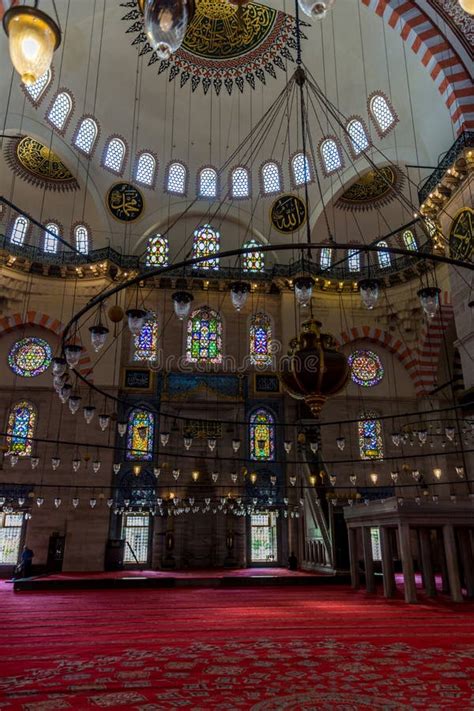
x,y
314,369
33,38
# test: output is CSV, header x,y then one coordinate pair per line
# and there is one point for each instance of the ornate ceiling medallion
x,y
373,189
37,164
224,46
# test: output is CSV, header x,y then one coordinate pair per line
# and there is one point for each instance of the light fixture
x,y
72,351
429,300
437,472
59,366
116,467
96,466
176,473
341,443
369,292
121,428
89,412
164,438
98,336
450,432
33,39
312,480
423,436
239,292
65,392
195,475
253,477
287,446
314,447
136,320
92,503
57,502
74,403
467,6
304,290
233,476
182,301
187,440
332,479
104,421
34,462
316,9
165,24
55,462
416,475
75,502
236,445
215,476
292,480
460,472
76,463
211,443
137,469
396,438
394,476
353,479
374,477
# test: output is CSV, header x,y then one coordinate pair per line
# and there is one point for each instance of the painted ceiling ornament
x,y
373,189
225,45
39,165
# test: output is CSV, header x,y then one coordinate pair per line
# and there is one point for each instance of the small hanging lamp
x,y
429,300
72,351
98,336
304,290
239,292
369,292
182,301
136,320
165,24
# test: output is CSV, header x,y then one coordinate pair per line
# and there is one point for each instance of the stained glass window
x,y
240,183
176,181
114,156
325,258
207,186
260,339
21,428
29,357
206,243
384,258
146,342
262,436
330,156
382,113
263,538
157,252
366,368
86,135
146,169
37,89
204,336
140,435
50,243
60,110
358,136
11,526
253,261
409,240
19,230
370,436
81,235
271,178
353,259
301,169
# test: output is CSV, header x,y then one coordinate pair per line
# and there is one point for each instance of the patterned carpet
x,y
302,648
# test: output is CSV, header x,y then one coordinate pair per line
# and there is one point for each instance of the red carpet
x,y
201,573
302,648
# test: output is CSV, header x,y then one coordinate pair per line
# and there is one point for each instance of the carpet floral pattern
x,y
324,648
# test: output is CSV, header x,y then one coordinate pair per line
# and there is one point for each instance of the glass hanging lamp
x,y
136,320
429,300
239,293
182,301
304,290
316,9
369,292
98,336
165,24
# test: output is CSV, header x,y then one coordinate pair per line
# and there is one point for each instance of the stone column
x,y
442,561
427,562
452,562
467,559
407,562
368,560
354,558
387,562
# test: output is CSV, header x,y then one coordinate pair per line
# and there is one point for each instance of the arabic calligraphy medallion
x,y
125,202
461,236
288,214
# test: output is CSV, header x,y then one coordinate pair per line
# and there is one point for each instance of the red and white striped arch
x,y
431,345
36,318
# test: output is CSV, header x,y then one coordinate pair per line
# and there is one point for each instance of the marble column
x,y
354,558
368,560
467,559
387,562
452,562
407,562
427,562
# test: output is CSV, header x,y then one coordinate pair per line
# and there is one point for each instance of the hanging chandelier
x,y
165,23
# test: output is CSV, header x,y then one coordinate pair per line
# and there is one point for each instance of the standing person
x,y
292,561
27,561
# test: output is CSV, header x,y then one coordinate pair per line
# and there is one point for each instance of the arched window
x,y
262,436
301,169
157,252
358,136
260,339
21,428
240,182
204,336
353,260
86,135
384,258
145,171
114,155
207,183
140,435
325,258
370,436
50,243
253,261
19,230
176,179
382,113
330,154
36,90
60,111
146,342
206,244
271,178
409,240
81,238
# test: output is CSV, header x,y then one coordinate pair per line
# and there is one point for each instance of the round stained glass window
x,y
30,357
366,368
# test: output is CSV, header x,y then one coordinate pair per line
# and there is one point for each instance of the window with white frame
x,y
86,135
146,169
376,544
358,136
19,230
240,182
50,243
301,169
11,526
409,240
81,238
176,180
353,260
60,110
384,258
37,89
271,178
382,113
114,156
330,156
136,532
325,258
207,186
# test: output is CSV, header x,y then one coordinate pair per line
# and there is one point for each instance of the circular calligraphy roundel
x,y
125,202
288,214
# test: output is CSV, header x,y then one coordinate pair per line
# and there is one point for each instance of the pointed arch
x,y
114,156
60,111
36,92
206,243
262,435
357,135
86,135
176,178
301,169
330,155
370,433
384,258
204,336
21,426
253,261
157,251
260,338
82,238
382,113
146,168
140,435
207,186
146,342
240,183
270,178
19,230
